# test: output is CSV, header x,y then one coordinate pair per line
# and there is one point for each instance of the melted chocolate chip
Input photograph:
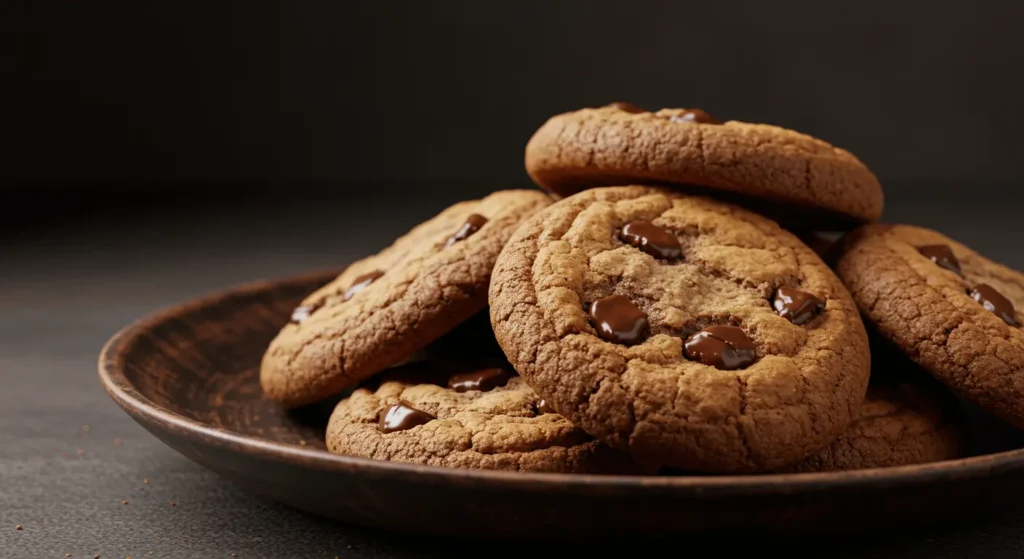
x,y
995,302
473,224
722,347
941,255
301,313
543,407
695,115
627,107
799,307
618,320
483,380
400,417
648,237
361,282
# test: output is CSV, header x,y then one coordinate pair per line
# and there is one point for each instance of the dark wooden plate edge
x,y
111,367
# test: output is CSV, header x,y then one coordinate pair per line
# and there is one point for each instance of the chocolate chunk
x,y
473,224
361,282
543,407
722,347
627,107
994,301
483,379
618,320
695,115
797,306
941,255
301,313
648,237
400,417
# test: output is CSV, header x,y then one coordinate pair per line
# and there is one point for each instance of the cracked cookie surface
x,y
503,427
920,289
899,423
768,166
760,395
384,308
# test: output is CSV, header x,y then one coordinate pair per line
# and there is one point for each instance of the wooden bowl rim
x,y
112,364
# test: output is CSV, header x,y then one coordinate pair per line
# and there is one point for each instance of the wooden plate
x,y
190,376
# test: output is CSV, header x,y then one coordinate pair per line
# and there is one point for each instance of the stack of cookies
x,y
679,295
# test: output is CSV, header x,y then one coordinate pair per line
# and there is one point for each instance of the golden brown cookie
x,y
782,173
690,332
899,423
482,419
384,308
948,308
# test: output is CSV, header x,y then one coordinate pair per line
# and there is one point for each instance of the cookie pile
x,y
672,298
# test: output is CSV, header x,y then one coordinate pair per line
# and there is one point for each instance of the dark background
x,y
926,93
153,152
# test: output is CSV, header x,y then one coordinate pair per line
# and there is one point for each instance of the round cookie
x,y
898,424
690,332
383,309
782,173
483,419
948,308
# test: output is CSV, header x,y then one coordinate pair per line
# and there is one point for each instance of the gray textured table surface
x,y
70,458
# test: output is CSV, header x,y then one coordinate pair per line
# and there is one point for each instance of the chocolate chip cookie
x,y
787,175
692,333
384,308
482,419
947,307
899,423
